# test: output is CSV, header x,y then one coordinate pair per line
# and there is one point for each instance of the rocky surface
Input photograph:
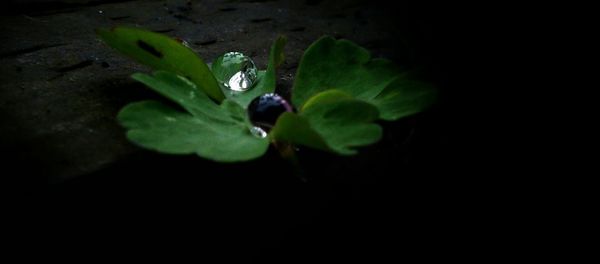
x,y
61,87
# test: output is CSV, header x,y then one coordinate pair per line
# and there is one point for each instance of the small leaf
x,y
162,53
178,89
219,133
336,125
266,79
293,128
345,124
342,65
404,97
327,96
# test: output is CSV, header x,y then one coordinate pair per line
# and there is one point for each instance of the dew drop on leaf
x,y
258,132
264,110
235,71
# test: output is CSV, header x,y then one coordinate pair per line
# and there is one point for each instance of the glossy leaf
x,y
162,53
342,65
216,132
327,96
296,129
338,125
404,97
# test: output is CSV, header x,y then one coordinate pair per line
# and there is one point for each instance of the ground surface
x,y
61,88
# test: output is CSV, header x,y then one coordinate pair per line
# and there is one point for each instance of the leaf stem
x,y
288,153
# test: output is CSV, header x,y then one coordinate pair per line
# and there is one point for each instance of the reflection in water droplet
x,y
235,71
263,111
258,132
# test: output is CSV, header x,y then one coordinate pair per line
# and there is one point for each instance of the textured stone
x,y
61,87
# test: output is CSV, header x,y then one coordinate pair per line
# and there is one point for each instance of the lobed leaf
x,y
216,132
342,65
338,124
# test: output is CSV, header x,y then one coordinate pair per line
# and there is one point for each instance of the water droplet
x,y
264,110
258,132
235,71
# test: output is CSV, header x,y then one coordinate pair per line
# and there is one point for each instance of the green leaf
x,y
216,132
342,65
337,125
178,89
345,124
266,79
293,128
162,53
327,96
404,97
